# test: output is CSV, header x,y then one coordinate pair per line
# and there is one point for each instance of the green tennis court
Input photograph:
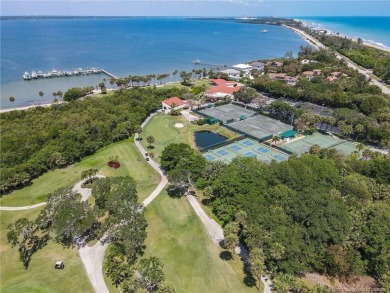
x,y
303,145
246,148
229,112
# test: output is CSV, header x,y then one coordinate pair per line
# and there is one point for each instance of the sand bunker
x,y
179,125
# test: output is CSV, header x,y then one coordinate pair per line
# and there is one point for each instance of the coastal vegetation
x,y
132,163
316,213
354,102
366,56
65,133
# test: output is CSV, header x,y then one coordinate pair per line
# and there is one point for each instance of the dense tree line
x,y
314,213
41,139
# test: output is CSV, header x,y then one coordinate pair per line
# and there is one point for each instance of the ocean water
x,y
125,46
371,29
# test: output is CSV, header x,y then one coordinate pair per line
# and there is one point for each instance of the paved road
x,y
350,63
212,227
92,257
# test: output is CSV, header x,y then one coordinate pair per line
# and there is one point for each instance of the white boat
x,y
197,61
59,73
264,31
26,76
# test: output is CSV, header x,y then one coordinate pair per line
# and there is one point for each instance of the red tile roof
x,y
174,100
219,81
223,89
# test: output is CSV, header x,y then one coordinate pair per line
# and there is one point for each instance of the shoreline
x,y
365,42
312,41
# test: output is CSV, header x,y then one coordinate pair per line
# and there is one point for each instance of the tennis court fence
x,y
221,144
278,148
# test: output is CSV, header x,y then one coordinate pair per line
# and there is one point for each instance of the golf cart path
x,y
92,257
216,233
84,192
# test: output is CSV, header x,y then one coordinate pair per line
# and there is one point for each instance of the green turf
x,y
41,275
178,84
132,163
162,128
191,260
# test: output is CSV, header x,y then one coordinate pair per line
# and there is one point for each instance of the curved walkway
x,y
22,208
92,257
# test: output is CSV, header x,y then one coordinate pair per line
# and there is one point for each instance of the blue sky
x,y
197,7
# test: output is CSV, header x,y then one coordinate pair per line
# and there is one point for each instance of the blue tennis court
x,y
247,143
235,147
222,153
279,157
210,157
250,154
262,150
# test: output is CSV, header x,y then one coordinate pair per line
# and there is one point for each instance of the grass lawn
x,y
200,82
191,260
41,275
162,128
132,163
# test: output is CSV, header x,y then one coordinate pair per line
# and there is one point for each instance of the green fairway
x,y
41,275
162,128
191,260
132,163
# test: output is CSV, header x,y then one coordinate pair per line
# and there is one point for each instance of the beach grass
x,y
162,128
40,275
192,262
132,163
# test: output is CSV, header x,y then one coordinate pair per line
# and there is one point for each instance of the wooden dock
x,y
109,74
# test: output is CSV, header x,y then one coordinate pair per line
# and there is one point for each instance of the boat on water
x,y
197,61
264,31
59,73
26,76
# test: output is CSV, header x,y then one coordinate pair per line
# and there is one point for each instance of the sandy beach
x,y
314,42
26,107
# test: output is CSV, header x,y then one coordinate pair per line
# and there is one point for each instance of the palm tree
x,y
231,242
138,130
175,73
256,259
59,94
360,147
359,128
276,139
315,149
12,99
41,93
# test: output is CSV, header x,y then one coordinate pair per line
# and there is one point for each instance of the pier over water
x,y
65,73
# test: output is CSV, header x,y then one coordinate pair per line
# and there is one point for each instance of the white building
x,y
257,65
243,68
232,73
